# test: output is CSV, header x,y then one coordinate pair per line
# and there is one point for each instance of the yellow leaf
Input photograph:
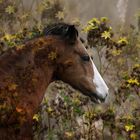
x,y
133,81
36,117
1,1
129,127
89,28
69,134
133,136
34,80
116,52
20,47
49,109
94,20
12,86
8,37
137,66
123,40
45,100
19,110
76,101
52,55
104,19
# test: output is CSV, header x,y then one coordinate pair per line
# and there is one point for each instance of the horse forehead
x,y
80,48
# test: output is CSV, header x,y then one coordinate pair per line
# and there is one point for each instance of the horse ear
x,y
71,33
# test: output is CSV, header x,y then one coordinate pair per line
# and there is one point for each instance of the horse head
x,y
74,65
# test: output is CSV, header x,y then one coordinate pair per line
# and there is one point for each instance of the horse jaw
x,y
101,87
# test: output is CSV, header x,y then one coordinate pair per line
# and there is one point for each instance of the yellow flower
x,y
136,65
89,115
76,101
123,40
52,55
36,117
104,19
49,109
129,127
45,100
19,47
12,86
106,35
89,28
6,37
133,81
133,136
69,134
60,15
116,52
10,9
129,117
94,20
1,1
110,28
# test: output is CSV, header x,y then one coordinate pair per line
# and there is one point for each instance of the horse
x,y
26,72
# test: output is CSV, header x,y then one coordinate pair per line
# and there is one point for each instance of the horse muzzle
x,y
98,98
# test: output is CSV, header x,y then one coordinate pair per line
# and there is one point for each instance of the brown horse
x,y
26,72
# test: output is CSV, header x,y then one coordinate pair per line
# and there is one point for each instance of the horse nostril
x,y
105,97
107,94
101,97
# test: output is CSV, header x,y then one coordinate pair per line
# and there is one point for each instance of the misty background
x,y
118,11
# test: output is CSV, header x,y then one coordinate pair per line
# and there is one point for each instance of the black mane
x,y
61,29
66,31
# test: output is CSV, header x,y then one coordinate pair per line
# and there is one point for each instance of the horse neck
x,y
48,73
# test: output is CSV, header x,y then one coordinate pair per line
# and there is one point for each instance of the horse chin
x,y
94,98
92,95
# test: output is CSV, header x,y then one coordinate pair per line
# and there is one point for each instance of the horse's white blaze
x,y
101,87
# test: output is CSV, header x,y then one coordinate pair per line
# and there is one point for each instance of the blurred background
x,y
118,11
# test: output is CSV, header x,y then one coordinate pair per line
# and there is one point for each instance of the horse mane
x,y
58,29
63,30
66,31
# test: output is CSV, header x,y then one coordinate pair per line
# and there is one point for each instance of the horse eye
x,y
85,57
